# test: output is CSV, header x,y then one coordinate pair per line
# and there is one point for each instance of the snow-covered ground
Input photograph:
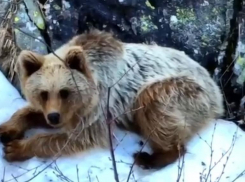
x,y
217,153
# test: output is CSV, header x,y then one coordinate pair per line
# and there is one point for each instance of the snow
x,y
95,165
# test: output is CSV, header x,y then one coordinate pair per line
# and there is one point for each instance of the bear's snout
x,y
54,118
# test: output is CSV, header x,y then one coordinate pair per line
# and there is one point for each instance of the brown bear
x,y
158,92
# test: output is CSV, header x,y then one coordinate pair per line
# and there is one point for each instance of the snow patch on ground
x,y
224,138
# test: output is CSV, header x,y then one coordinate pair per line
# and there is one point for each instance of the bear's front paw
x,y
9,133
17,151
143,159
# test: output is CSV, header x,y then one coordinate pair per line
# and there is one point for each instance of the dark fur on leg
x,y
158,159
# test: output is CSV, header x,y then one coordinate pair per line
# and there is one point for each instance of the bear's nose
x,y
54,118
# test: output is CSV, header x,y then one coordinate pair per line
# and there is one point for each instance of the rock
x,y
8,48
239,67
12,37
62,19
29,24
35,14
238,78
5,6
196,27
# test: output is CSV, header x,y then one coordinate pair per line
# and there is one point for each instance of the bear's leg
x,y
21,121
173,111
159,158
57,144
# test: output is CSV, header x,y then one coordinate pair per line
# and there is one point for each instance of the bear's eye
x,y
44,95
64,93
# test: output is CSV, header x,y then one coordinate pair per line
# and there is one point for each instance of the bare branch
x,y
97,178
78,180
14,178
240,175
3,174
110,136
228,157
211,155
60,173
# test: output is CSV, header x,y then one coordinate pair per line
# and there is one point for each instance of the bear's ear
x,y
28,63
75,59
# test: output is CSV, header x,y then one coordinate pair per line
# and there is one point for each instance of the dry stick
x,y
78,180
20,167
97,178
119,142
211,155
201,174
126,112
183,179
14,178
222,157
109,120
240,175
110,138
61,173
134,177
3,174
231,147
222,87
180,168
110,133
89,178
228,107
29,170
122,162
211,158
228,157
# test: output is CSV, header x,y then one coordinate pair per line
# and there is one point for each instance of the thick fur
x,y
158,92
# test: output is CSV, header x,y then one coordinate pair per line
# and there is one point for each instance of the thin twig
x,y
3,174
110,120
180,168
228,157
61,173
97,178
211,157
240,175
14,178
110,136
78,180
89,178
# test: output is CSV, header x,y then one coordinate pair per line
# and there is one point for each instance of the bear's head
x,y
60,85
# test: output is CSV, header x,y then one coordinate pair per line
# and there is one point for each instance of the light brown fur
x,y
175,102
